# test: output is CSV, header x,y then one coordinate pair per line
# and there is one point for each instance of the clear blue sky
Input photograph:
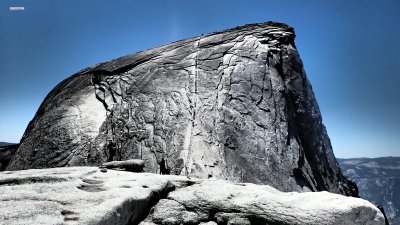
x,y
350,50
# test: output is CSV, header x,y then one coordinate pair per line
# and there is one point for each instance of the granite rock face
x,y
378,180
86,196
234,104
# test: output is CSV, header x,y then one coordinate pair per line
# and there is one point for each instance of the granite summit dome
x,y
234,104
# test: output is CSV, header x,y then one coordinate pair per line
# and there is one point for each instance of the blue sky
x,y
350,50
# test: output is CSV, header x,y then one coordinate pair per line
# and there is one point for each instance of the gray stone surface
x,y
86,196
244,204
234,104
132,165
79,195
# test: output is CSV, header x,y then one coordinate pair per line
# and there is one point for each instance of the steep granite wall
x,y
234,104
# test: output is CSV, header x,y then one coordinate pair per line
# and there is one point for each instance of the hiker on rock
x,y
112,149
163,169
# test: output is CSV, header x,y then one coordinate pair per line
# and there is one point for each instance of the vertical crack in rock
x,y
141,211
189,159
99,88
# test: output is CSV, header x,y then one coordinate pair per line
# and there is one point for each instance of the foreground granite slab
x,y
85,195
79,195
219,202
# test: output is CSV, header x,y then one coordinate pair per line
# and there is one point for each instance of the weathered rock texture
x,y
246,204
234,104
79,195
86,196
132,165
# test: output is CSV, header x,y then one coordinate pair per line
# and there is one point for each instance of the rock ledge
x,y
84,195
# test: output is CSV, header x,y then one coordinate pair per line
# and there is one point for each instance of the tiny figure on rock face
x,y
112,149
162,166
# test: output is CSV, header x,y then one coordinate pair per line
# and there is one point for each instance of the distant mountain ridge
x,y
2,144
378,180
7,151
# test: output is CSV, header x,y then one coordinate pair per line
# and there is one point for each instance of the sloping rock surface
x,y
84,195
79,195
378,181
234,104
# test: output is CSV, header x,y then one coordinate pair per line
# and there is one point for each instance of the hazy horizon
x,y
349,50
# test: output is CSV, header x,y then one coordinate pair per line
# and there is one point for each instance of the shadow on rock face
x,y
70,215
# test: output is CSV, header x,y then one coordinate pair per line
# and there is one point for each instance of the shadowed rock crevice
x,y
30,180
154,198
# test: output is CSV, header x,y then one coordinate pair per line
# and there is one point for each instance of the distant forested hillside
x,y
378,180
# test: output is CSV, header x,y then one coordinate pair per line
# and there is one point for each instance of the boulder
x,y
132,165
84,195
